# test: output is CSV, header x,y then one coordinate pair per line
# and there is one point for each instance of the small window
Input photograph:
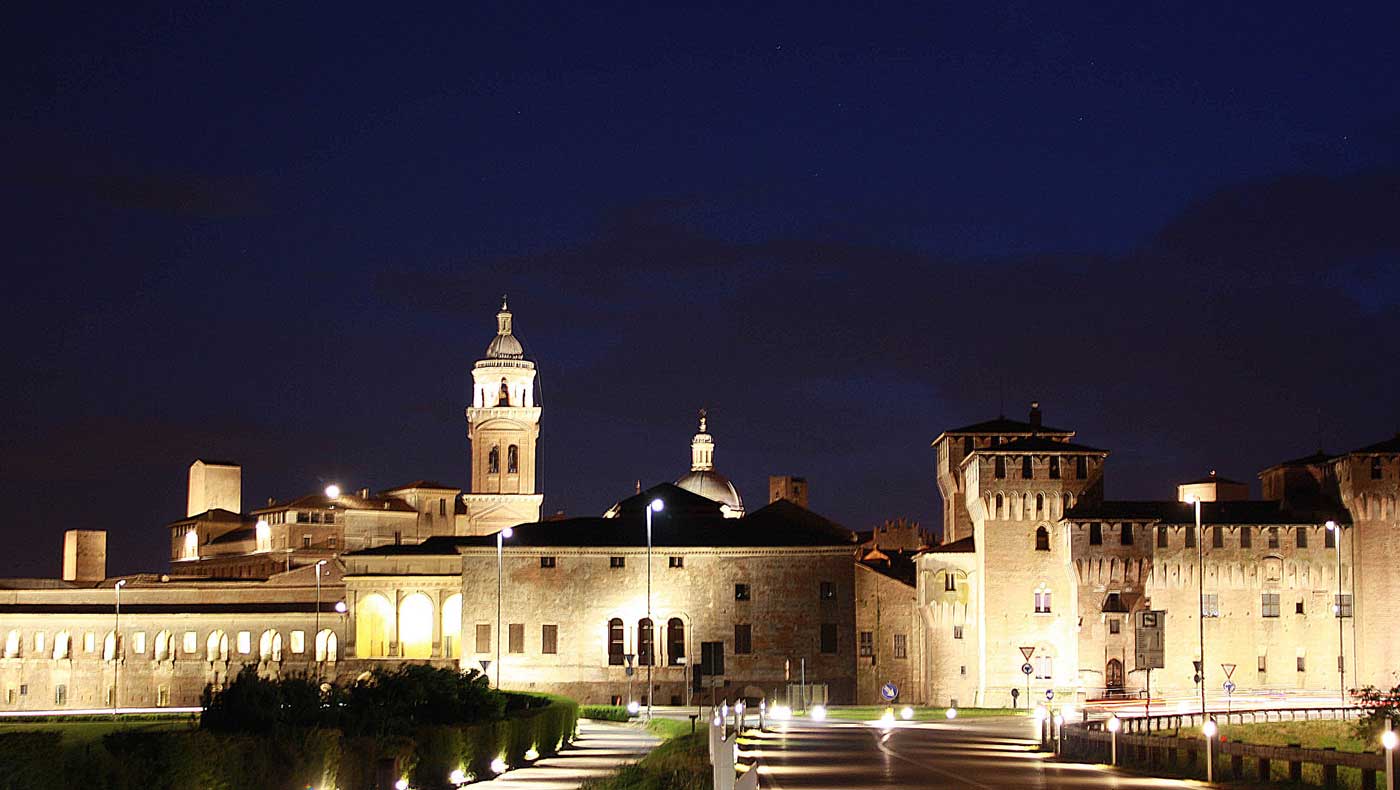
x,y
1343,606
1302,664
1190,537
646,643
162,696
245,642
298,642
331,542
315,517
675,562
1027,471
330,518
828,591
1376,472
306,541
617,562
1298,607
546,562
191,643
1210,605
1042,602
515,642
1263,664
1095,533
138,642
867,644
493,460
513,460
741,592
1054,467
442,506
999,511
616,645
1269,603
1042,539
60,694
1246,538
1161,537
1273,537
89,642
1329,538
743,639
1115,625
999,467
1039,504
901,646
957,632
1081,467
1125,534
483,637
950,583
828,639
1044,668
549,639
398,537
1302,537
1217,537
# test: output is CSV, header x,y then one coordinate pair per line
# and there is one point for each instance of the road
x,y
982,754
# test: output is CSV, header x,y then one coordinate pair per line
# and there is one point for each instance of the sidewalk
x,y
601,748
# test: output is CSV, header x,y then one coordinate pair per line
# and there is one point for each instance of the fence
x,y
1166,752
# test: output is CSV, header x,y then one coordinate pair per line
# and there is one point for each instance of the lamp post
x,y
1209,730
117,648
316,618
500,593
654,506
1201,598
1114,725
1389,740
1336,531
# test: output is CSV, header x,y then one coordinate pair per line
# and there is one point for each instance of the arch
x,y
1065,503
216,646
616,642
162,647
493,459
503,399
265,644
327,647
1000,513
452,626
416,626
374,626
12,644
1039,505
675,642
646,642
512,459
1113,675
1042,539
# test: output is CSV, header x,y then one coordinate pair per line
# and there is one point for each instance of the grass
x,y
680,763
1340,735
80,732
873,712
666,729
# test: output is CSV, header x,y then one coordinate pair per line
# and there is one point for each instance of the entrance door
x,y
1113,675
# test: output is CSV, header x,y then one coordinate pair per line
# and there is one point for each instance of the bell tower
x,y
503,424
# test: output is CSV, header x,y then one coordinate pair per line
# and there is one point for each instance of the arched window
x,y
12,644
374,625
999,466
326,647
265,646
646,651
216,647
1042,539
504,398
416,626
998,514
62,645
616,644
1039,504
452,626
493,460
1054,467
675,641
512,459
1027,472
162,649
109,647
1064,503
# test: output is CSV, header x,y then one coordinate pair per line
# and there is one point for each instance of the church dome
x,y
704,480
504,345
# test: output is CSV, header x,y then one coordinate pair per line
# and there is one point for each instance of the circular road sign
x,y
889,691
1229,687
1026,668
1049,693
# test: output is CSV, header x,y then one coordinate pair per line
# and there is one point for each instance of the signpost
x,y
1150,646
1027,669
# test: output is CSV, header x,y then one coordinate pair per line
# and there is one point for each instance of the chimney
x,y
84,555
1035,414
364,493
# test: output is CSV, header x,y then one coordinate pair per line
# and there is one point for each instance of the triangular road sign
x,y
1026,652
1229,670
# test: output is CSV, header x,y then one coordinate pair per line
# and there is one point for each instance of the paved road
x,y
599,750
982,754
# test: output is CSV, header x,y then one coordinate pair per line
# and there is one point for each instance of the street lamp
x,y
1114,725
500,591
1209,730
1336,531
1389,740
316,618
1201,596
117,647
654,506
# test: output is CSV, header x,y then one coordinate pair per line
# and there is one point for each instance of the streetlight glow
x,y
507,533
906,713
1114,724
657,505
1389,739
951,714
1210,730
333,491
818,713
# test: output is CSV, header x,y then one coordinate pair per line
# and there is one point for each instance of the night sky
x,y
280,237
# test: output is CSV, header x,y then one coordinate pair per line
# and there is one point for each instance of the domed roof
x,y
712,485
504,345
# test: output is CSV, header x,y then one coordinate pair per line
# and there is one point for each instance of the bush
x,y
1379,706
604,713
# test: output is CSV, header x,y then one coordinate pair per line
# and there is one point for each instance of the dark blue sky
x,y
279,236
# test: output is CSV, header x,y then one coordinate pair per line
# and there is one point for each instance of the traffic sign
x,y
629,671
1026,653
1150,650
1049,694
1026,668
1229,670
889,691
1229,687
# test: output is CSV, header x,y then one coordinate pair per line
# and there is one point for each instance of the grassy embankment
x,y
681,762
87,730
1339,735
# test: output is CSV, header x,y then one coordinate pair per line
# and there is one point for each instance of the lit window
x,y
901,645
298,642
1210,606
39,642
1042,601
867,643
245,642
191,643
138,642
742,592
89,642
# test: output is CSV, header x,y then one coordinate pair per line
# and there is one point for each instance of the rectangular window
x,y
867,643
950,583
1095,533
315,518
675,562
516,641
1329,539
1027,471
901,646
1263,664
999,467
1210,605
1161,537
298,642
1298,607
60,694
39,642
330,518
1217,537
1190,537
303,517
89,642
546,562
331,542
442,506
1302,664
306,541
828,645
1054,467
1042,602
1081,467
398,538
741,592
1246,537
743,639
1126,536
617,562
245,642
1302,537
138,642
712,658
549,639
191,645
1273,537
1044,668
1343,605
1115,626
1269,603
828,591
483,638
957,632
162,696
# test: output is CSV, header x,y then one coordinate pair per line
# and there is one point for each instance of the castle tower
x,y
503,424
1368,480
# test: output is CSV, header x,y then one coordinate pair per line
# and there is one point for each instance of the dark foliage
x,y
1379,705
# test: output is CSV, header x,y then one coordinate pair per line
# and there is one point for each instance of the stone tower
x,y
503,424
1368,480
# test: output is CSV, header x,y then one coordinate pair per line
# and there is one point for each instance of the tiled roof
x,y
1212,479
897,565
344,502
960,546
432,484
251,533
214,514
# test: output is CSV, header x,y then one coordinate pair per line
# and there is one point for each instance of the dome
x,y
712,485
504,345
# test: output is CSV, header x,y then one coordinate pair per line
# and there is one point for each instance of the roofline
x,y
1041,432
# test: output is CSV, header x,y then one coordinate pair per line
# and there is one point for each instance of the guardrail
x,y
1153,743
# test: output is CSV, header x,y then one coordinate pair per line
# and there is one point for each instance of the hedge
x,y
293,759
604,713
